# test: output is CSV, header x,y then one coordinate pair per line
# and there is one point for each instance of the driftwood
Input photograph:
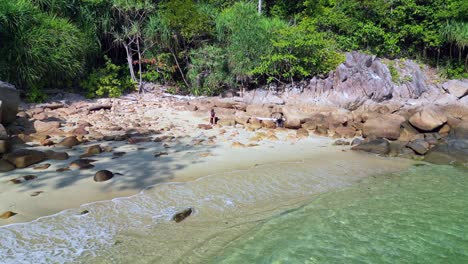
x,y
52,106
99,107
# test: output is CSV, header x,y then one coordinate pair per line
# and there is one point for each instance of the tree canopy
x,y
207,46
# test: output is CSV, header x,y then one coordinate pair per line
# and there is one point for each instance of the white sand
x,y
184,162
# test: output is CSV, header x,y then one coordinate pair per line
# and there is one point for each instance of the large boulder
x,y
458,88
46,127
428,119
9,102
460,131
377,146
25,157
385,126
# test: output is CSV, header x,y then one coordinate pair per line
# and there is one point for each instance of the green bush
x,y
246,37
159,69
298,52
38,48
35,95
107,81
208,71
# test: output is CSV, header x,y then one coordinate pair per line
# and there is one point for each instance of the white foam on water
x,y
66,236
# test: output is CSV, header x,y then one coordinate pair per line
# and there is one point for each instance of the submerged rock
x,y
182,215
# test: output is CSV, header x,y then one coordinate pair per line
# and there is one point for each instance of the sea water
x,y
300,212
417,216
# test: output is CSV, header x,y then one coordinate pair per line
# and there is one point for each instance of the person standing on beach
x,y
213,117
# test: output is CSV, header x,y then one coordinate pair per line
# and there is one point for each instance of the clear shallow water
x,y
138,229
417,216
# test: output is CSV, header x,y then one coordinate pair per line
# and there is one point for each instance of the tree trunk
x,y
260,7
140,83
178,67
130,62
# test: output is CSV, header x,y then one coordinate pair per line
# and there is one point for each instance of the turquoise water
x,y
417,216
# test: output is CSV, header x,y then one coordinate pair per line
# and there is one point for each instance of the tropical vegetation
x,y
105,47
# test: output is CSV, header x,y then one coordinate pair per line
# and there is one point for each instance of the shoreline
x,y
239,197
222,158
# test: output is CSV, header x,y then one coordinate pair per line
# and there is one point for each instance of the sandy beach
x,y
191,154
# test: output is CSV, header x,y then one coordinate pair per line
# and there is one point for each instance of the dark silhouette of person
x,y
213,118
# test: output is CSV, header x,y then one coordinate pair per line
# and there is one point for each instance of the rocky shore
x,y
410,113
361,105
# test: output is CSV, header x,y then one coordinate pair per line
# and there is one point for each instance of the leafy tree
x,y
246,37
208,71
299,52
130,17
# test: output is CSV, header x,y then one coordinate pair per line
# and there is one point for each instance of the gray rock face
x,y
361,79
9,101
458,88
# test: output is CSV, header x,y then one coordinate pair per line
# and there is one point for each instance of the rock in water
x,y
103,175
25,157
377,146
7,214
9,98
180,216
6,166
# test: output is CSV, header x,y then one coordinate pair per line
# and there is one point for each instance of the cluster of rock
x,y
411,118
